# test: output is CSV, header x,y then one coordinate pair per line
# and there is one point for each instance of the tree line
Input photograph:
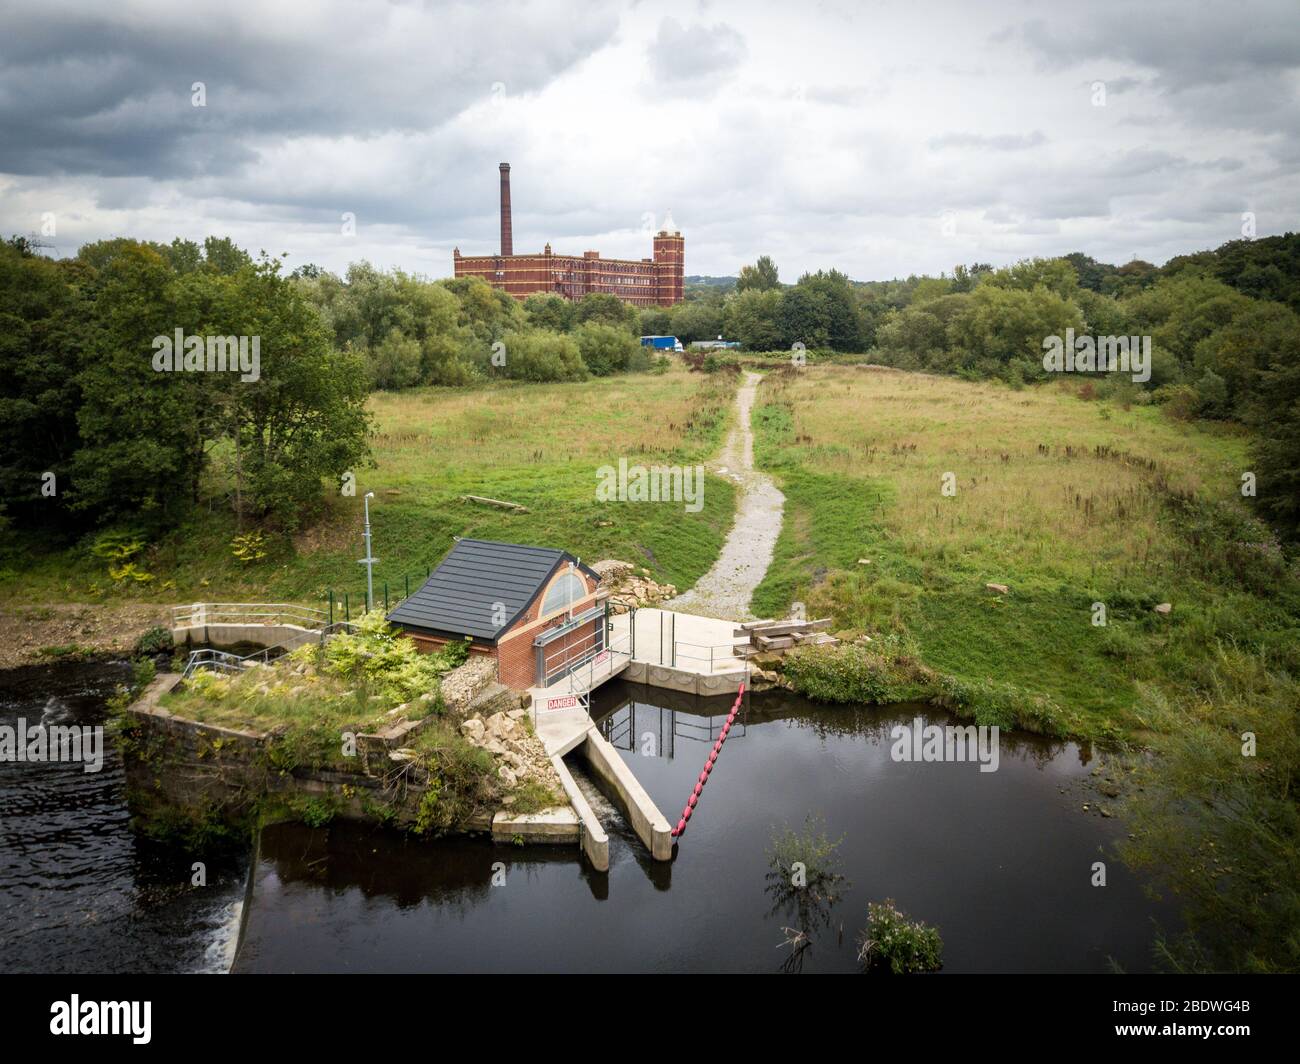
x,y
1224,328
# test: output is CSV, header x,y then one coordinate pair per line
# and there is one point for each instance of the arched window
x,y
566,590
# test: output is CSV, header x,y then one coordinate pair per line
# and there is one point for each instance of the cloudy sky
x,y
882,138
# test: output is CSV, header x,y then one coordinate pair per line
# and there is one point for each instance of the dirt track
x,y
725,590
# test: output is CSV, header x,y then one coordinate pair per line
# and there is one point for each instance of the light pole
x,y
368,561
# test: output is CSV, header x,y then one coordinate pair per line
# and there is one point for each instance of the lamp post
x,y
368,561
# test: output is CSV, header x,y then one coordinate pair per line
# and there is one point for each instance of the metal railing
x,y
224,661
583,678
203,614
712,653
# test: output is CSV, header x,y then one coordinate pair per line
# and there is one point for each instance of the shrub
x,y
542,355
1003,705
377,656
606,349
892,941
720,364
459,774
155,640
852,673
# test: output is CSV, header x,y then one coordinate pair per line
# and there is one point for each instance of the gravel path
x,y
725,590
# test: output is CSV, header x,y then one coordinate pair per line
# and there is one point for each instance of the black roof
x,y
460,596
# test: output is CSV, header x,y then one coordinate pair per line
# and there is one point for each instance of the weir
x,y
662,648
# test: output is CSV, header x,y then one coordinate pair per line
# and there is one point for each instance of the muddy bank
x,y
72,631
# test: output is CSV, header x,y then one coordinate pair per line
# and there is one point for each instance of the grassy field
x,y
1068,502
537,445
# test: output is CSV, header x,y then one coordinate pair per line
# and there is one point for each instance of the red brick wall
x,y
670,261
656,282
517,657
515,654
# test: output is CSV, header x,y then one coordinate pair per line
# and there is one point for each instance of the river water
x,y
79,890
1001,862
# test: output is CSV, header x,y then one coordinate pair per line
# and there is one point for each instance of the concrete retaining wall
x,y
289,636
595,843
682,679
641,812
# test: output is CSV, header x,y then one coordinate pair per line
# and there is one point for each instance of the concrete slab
x,y
700,645
561,730
559,825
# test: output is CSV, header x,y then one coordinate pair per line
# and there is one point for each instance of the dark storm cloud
x,y
1227,65
108,92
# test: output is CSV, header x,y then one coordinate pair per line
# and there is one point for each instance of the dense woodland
x,y
91,435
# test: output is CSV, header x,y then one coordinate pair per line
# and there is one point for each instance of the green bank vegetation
x,y
1070,501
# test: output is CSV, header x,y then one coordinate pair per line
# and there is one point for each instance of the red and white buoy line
x,y
680,829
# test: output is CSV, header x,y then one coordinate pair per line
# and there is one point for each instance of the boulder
x,y
472,729
1000,589
1164,607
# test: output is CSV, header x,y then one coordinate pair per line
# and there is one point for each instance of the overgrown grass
x,y
535,444
1070,503
1067,502
359,681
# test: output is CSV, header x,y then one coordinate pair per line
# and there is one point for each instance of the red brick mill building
x,y
653,282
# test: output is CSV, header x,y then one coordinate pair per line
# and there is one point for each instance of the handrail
x,y
203,614
225,661
613,652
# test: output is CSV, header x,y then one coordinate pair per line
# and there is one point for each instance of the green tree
x,y
754,319
607,349
304,419
697,319
546,310
143,434
759,277
543,355
607,309
41,337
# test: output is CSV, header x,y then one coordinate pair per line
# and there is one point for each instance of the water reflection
x,y
999,862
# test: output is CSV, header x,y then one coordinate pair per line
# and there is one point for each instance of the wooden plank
x,y
790,628
498,503
775,642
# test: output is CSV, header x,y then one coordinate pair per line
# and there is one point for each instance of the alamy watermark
x,y
1101,354
211,354
930,742
53,742
657,483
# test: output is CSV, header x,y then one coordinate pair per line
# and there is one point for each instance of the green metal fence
x,y
340,604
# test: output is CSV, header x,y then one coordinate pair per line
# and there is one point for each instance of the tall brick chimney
x,y
507,243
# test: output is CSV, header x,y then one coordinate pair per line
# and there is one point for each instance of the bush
x,y
606,349
153,641
384,660
542,355
892,941
852,673
1001,705
720,363
460,774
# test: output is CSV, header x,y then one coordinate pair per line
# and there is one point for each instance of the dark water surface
x,y
1000,862
79,891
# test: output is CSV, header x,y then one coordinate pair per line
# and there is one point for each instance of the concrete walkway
x,y
726,589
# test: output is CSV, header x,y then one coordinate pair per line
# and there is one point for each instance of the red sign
x,y
565,702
